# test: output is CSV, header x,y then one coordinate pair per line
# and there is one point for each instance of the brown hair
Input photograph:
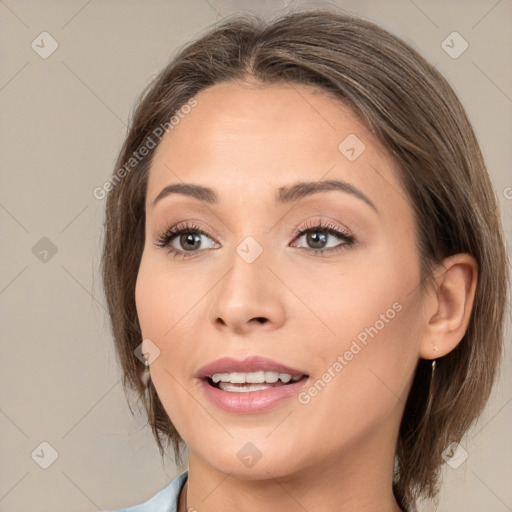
x,y
415,113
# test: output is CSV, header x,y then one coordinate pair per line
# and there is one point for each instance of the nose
x,y
248,297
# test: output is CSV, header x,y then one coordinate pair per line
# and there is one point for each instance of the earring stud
x,y
435,348
146,374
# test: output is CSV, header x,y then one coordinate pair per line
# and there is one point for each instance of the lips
x,y
250,364
249,398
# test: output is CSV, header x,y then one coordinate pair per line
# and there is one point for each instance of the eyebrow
x,y
284,195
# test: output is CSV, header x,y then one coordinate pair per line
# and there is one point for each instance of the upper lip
x,y
249,364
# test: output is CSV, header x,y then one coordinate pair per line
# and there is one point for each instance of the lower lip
x,y
251,401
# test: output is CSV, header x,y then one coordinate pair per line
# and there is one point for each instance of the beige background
x,y
62,122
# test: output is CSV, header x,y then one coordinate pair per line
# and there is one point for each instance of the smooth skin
x,y
335,453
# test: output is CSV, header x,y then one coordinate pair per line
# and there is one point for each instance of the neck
x,y
355,480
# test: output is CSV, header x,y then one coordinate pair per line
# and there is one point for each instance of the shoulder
x,y
165,500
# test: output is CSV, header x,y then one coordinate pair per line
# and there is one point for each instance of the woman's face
x,y
343,309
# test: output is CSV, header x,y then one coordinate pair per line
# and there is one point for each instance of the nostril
x,y
260,319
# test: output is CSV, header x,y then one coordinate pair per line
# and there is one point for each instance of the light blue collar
x,y
165,500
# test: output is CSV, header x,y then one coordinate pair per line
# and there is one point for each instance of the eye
x,y
317,236
188,236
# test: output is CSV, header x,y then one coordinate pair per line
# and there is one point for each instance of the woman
x,y
304,268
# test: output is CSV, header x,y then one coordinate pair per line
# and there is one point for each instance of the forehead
x,y
240,136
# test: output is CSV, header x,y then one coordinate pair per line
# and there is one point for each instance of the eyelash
x,y
348,240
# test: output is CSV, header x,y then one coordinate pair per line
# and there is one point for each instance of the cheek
x,y
160,306
361,375
169,312
373,309
147,297
164,298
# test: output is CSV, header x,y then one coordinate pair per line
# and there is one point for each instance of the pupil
x,y
314,238
189,239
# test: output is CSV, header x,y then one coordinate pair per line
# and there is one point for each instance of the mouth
x,y
252,385
247,382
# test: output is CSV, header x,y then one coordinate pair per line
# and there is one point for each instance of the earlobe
x,y
451,303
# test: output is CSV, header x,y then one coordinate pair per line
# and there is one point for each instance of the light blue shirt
x,y
165,500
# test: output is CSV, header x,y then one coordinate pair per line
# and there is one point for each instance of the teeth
x,y
233,388
254,377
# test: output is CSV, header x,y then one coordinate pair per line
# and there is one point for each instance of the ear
x,y
448,308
